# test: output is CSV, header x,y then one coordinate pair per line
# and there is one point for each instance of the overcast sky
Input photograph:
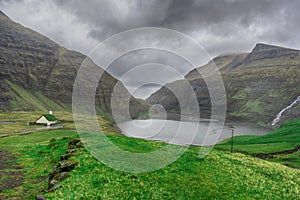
x,y
220,26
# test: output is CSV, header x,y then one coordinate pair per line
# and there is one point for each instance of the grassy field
x,y
34,159
221,175
281,145
30,158
18,122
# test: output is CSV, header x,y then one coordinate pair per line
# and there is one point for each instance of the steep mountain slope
x,y
258,85
38,74
224,63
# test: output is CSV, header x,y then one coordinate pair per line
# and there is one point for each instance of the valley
x,y
254,155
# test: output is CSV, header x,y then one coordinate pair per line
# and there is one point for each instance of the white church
x,y
47,119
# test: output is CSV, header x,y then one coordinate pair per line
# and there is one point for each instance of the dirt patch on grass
x,y
11,175
266,156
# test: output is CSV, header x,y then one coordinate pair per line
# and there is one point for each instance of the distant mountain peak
x,y
264,47
266,52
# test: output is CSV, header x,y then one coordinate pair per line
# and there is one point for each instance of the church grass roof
x,y
50,117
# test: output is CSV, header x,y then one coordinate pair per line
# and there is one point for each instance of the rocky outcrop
x,y
64,166
40,197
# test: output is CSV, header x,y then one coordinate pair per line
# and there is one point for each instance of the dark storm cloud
x,y
250,20
275,21
221,26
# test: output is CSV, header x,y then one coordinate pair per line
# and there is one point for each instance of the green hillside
x,y
258,85
26,101
37,74
221,175
281,145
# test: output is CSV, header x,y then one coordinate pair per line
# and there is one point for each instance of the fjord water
x,y
185,133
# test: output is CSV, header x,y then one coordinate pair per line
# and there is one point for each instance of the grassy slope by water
x,y
277,144
32,151
18,122
219,176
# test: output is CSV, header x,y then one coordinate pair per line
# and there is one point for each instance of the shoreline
x,y
184,118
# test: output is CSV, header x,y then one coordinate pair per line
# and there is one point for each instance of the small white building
x,y
48,119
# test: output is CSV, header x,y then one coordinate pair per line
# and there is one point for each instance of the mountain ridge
x,y
38,74
258,84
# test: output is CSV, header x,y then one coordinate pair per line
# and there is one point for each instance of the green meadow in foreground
x,y
281,145
221,175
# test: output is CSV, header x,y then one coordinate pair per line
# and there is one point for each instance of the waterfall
x,y
278,116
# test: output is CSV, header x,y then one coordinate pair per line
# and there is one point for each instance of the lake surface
x,y
185,133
